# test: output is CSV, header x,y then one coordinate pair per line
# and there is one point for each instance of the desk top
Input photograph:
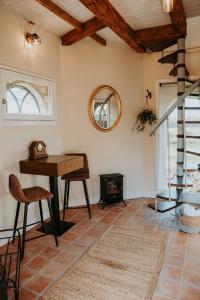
x,y
53,165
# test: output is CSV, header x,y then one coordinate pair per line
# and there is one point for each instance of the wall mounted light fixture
x,y
33,38
168,5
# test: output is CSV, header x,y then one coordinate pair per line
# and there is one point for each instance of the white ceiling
x,y
139,14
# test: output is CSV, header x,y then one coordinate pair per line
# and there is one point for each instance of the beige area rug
x,y
123,265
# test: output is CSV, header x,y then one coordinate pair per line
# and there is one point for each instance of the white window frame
x,y
159,187
6,74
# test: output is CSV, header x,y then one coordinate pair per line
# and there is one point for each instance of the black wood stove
x,y
111,186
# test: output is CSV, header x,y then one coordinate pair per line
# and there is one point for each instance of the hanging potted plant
x,y
145,117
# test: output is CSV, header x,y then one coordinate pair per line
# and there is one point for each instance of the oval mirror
x,y
105,108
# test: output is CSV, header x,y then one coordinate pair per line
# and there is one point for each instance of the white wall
x,y
82,67
153,72
85,66
15,139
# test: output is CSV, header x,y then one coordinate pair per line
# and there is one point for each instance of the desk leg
x,y
61,226
53,181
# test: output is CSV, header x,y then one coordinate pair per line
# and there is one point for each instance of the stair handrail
x,y
168,160
175,105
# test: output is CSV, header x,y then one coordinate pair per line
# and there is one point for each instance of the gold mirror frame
x,y
90,107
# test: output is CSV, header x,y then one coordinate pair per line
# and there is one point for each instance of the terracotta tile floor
x,y
44,263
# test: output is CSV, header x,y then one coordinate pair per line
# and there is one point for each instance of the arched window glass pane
x,y
19,93
30,105
11,106
21,100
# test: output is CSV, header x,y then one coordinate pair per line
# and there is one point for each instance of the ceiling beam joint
x,y
111,18
61,13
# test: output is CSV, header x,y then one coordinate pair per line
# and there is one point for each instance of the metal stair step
x,y
173,72
195,95
190,81
188,136
179,181
192,108
177,198
174,194
191,167
189,108
164,206
193,136
189,152
189,122
193,153
169,59
158,46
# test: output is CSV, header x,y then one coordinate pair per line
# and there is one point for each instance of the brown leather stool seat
x,y
36,193
26,197
79,175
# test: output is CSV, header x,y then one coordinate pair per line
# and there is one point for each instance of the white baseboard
x,y
127,196
149,194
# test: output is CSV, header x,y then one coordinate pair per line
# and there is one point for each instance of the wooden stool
x,y
79,175
26,197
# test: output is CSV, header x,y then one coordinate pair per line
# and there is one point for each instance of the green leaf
x,y
145,117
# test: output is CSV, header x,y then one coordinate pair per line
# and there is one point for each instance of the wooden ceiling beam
x,y
109,16
178,18
89,29
158,33
61,13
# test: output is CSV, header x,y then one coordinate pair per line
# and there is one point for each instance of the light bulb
x,y
167,5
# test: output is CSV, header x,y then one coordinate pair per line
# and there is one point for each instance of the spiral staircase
x,y
177,192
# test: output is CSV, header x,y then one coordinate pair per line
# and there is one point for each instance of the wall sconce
x,y
168,5
33,38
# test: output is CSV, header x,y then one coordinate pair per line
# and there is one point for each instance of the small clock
x,y
40,147
37,149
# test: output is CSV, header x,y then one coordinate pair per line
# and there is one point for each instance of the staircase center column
x,y
180,117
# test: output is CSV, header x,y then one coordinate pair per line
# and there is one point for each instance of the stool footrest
x,y
36,237
30,224
76,207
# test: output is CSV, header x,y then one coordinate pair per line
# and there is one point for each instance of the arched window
x,y
26,97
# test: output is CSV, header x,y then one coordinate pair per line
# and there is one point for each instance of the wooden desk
x,y
53,166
